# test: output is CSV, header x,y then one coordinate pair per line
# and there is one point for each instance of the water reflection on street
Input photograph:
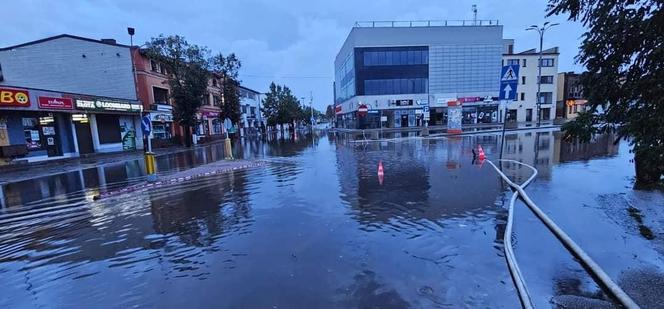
x,y
315,227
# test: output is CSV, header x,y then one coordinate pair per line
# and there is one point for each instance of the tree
x,y
281,106
306,114
329,112
227,68
188,75
623,53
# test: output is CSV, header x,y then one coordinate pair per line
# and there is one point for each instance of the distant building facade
x,y
64,96
389,74
524,109
251,119
571,100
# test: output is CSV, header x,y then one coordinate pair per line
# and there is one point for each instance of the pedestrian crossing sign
x,y
510,74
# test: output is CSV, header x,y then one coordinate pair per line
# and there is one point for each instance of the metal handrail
x,y
425,23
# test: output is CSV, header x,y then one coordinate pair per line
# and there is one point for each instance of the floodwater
x,y
316,227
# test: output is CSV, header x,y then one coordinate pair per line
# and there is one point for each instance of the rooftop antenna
x,y
474,14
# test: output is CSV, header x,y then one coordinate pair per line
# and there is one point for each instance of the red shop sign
x,y
56,103
14,97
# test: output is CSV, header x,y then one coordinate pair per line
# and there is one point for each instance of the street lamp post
x,y
541,31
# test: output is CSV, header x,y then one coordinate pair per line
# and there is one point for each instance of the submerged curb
x,y
178,179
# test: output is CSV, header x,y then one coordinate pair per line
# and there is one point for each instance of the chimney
x,y
108,41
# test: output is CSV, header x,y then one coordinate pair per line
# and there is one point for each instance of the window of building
x,y
154,66
395,57
253,111
217,100
524,63
160,95
547,79
510,49
214,82
216,126
512,61
547,62
523,96
523,80
244,109
108,127
395,86
546,97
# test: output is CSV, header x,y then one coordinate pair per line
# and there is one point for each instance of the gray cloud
x,y
289,42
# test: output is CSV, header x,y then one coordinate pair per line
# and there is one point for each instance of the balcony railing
x,y
427,23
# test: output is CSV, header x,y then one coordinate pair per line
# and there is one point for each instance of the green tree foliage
x,y
280,106
187,67
623,51
227,67
306,114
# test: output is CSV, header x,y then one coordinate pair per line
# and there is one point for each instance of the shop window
x,y
216,126
108,127
33,139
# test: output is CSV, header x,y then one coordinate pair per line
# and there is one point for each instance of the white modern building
x,y
524,108
388,74
251,118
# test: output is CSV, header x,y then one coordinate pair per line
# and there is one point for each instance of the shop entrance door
x,y
84,137
404,121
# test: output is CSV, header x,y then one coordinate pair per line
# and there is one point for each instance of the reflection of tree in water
x,y
289,145
600,145
367,292
198,216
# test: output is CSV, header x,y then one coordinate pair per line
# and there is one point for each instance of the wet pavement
x,y
316,227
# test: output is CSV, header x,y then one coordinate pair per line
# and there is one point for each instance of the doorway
x,y
83,135
404,120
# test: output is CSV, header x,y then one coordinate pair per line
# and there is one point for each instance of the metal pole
x,y
502,143
539,78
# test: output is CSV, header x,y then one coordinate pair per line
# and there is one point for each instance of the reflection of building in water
x,y
534,148
418,183
600,145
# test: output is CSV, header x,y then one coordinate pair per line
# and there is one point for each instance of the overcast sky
x,y
291,42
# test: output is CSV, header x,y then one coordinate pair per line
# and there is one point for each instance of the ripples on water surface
x,y
314,227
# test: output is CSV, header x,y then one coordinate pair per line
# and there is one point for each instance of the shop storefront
x,y
209,126
112,124
35,125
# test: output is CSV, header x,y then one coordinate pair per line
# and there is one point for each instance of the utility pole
x,y
541,31
311,106
474,14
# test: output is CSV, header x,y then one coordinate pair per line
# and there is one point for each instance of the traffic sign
x,y
509,81
425,109
146,125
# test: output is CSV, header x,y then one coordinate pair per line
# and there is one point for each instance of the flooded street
x,y
316,227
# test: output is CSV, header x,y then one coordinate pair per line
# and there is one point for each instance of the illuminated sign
x,y
14,97
108,105
56,103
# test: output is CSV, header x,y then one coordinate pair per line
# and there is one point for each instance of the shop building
x,y
209,126
405,74
524,109
251,119
64,96
153,92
